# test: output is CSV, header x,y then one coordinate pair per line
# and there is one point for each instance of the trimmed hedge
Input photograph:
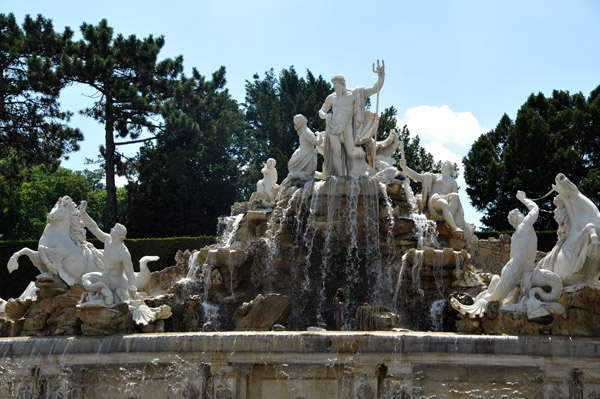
x,y
12,285
546,239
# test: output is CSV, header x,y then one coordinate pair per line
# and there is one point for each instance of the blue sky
x,y
452,68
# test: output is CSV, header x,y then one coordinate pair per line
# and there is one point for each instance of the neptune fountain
x,y
253,315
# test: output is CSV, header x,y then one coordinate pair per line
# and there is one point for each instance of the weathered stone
x,y
64,317
163,280
101,320
50,287
581,319
259,216
376,318
278,327
262,313
35,323
65,301
492,254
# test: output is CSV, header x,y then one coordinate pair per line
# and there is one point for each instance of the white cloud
x,y
442,125
442,153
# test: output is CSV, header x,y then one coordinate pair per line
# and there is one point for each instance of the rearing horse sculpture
x,y
62,249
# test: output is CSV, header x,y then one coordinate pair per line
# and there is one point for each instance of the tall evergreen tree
x,y
270,106
549,136
129,84
192,174
33,129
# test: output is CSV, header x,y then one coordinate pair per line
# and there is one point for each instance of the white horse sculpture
x,y
576,255
63,250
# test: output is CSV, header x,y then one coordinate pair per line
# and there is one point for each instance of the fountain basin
x,y
253,365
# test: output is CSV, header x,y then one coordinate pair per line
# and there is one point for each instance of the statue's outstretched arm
x,y
409,172
91,225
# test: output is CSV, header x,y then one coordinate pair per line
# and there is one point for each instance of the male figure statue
x,y
523,249
439,195
118,274
346,123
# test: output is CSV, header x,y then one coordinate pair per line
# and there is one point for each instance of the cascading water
x,y
305,230
399,281
436,313
437,307
385,268
276,223
229,225
329,233
438,263
416,271
458,261
425,229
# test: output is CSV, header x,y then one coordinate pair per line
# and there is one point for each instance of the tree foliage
x,y
270,106
27,200
549,136
129,83
33,129
191,175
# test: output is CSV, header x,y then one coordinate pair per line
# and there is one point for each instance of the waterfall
x,y
458,262
436,314
385,269
332,208
416,271
229,225
274,228
438,263
399,281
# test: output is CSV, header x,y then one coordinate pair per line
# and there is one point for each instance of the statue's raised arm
x,y
534,210
91,225
380,71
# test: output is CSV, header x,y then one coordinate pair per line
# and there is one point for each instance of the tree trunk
x,y
109,165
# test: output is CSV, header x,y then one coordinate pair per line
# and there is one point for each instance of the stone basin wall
x,y
299,365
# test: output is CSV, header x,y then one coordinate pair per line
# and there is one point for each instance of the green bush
x,y
12,285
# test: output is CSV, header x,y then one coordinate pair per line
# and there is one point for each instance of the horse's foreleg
x,y
49,264
34,256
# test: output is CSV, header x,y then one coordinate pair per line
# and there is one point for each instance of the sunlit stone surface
x,y
299,365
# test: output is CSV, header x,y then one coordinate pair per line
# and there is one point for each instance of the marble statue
x,y
117,275
267,187
62,249
385,165
576,255
303,163
385,150
117,282
439,196
348,124
522,260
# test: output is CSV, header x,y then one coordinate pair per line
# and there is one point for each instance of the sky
x,y
453,68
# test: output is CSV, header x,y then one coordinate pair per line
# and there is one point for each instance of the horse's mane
x,y
76,229
563,220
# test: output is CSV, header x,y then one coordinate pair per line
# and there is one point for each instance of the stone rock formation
x,y
262,313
